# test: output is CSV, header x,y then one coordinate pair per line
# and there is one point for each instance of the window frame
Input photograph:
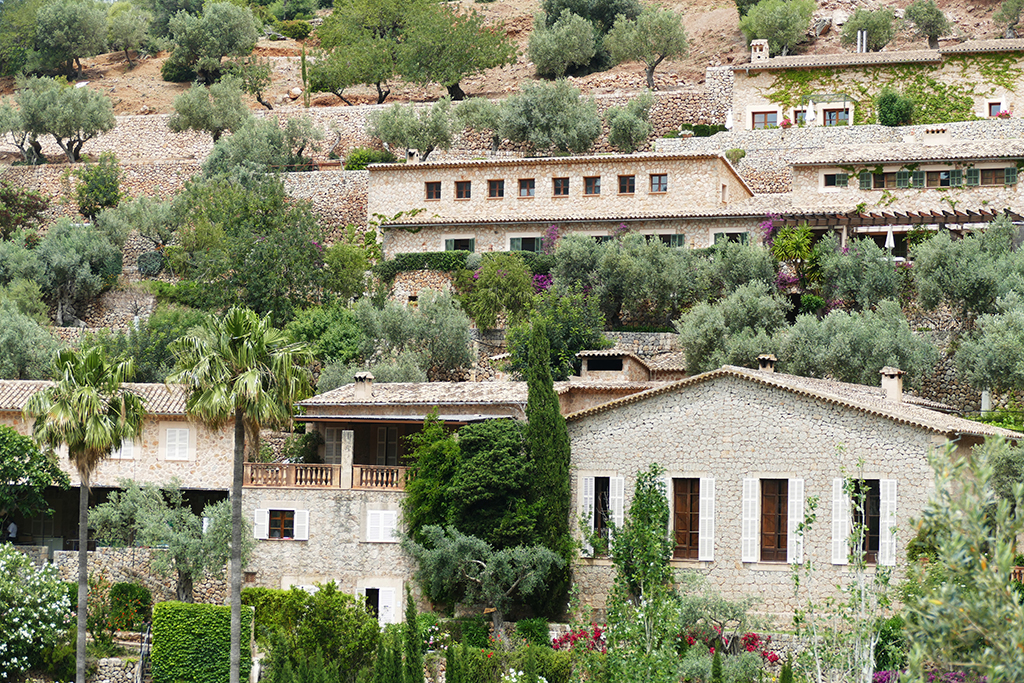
x,y
999,109
589,507
752,533
560,187
463,190
592,186
381,526
496,189
658,183
127,450
527,188
516,243
300,523
764,123
686,518
450,243
432,190
840,117
836,180
842,519
179,434
630,184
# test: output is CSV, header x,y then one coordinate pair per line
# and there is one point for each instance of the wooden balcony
x,y
293,475
379,477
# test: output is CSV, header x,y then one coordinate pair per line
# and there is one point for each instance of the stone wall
x,y
645,343
115,670
135,565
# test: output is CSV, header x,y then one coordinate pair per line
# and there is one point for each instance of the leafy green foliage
x,y
502,285
880,25
743,6
131,604
570,42
423,129
20,209
127,28
928,20
862,273
961,273
71,116
332,332
991,357
434,459
1008,15
360,157
150,263
445,261
202,42
534,631
573,323
17,34
190,642
73,29
651,38
264,145
413,668
630,126
30,472
151,218
212,110
783,23
893,108
550,116
99,186
254,74
296,29
29,348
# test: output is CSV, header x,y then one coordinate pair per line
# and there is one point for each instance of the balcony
x,y
294,475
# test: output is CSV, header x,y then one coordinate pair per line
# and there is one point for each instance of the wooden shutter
x,y
301,528
449,245
587,493
472,244
972,177
902,178
842,180
751,528
744,238
617,500
332,446
956,178
887,525
864,178
515,243
706,527
721,237
795,544
373,526
917,179
1010,175
387,612
840,522
388,526
261,524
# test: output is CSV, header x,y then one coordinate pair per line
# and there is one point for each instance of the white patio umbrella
x,y
728,120
890,241
809,116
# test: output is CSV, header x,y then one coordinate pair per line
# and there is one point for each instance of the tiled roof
x,y
1005,45
612,353
541,161
911,411
675,360
844,59
912,151
160,399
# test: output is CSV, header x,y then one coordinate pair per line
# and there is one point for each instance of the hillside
x,y
712,27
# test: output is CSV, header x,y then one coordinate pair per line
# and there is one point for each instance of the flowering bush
x,y
541,283
786,123
1005,114
587,639
516,676
36,611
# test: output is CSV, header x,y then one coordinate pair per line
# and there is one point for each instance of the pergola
x,y
864,222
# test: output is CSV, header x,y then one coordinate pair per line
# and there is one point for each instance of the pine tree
x,y
413,642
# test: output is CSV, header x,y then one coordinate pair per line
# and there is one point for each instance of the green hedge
x,y
271,607
192,643
448,261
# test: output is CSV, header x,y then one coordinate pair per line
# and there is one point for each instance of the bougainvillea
x,y
587,639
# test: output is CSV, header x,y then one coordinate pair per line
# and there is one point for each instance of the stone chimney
x,y
766,362
364,386
892,383
758,50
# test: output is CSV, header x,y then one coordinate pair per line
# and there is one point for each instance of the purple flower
x,y
541,283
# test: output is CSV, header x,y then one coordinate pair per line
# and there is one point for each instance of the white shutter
x,y
388,526
887,527
706,524
125,452
373,526
617,500
751,528
840,522
587,485
301,525
669,498
261,525
177,444
795,546
386,608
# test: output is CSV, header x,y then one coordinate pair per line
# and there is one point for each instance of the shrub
x,y
304,448
892,646
176,71
445,261
470,631
735,154
295,29
151,263
630,126
361,157
880,25
192,643
893,108
130,605
502,285
534,631
271,608
99,186
783,23
570,42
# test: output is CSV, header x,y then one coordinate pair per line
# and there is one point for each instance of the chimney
x,y
892,383
364,386
766,362
758,50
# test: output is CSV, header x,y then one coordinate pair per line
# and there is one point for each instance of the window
x,y
836,117
463,189
176,444
602,501
627,184
937,179
387,446
460,244
734,237
765,119
878,517
281,523
592,185
883,180
495,189
800,117
333,439
772,511
659,182
837,180
604,364
381,526
995,108
534,244
992,176
560,187
381,603
526,187
433,190
693,520
673,240
125,452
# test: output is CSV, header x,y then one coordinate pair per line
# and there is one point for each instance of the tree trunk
x,y
456,92
236,549
382,94
343,99
128,57
185,587
933,42
650,76
259,98
83,576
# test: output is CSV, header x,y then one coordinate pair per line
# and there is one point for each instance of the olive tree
x,y
630,126
423,129
651,38
993,355
880,25
214,110
224,30
128,28
71,116
783,23
551,117
71,30
571,41
928,20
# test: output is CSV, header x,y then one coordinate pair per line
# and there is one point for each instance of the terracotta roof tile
x,y
999,45
540,161
843,59
913,151
160,399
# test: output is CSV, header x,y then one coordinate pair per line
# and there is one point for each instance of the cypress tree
x,y
451,665
716,667
413,642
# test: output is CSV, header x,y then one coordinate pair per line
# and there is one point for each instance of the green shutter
x,y
917,179
865,180
472,245
745,236
1010,175
956,178
677,240
449,245
721,237
973,177
515,244
842,180
902,178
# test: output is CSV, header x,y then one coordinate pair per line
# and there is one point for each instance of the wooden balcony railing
x,y
379,477
291,475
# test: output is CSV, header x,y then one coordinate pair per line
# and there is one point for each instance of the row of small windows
x,y
536,244
971,177
559,187
770,119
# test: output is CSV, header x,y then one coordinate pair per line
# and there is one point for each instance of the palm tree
x,y
239,367
88,411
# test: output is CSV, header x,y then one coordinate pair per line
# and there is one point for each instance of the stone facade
x,y
730,429
115,670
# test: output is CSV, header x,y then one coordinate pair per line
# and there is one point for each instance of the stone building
x,y
744,450
171,447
